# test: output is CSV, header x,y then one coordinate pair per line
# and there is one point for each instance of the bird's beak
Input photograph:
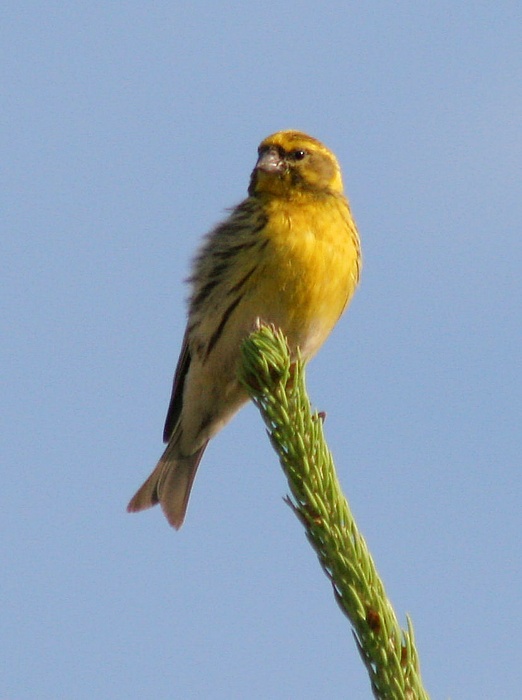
x,y
270,162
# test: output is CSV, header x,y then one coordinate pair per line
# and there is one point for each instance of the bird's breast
x,y
309,270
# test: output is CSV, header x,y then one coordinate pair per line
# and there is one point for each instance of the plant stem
x,y
276,383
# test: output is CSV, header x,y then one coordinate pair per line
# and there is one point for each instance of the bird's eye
x,y
298,155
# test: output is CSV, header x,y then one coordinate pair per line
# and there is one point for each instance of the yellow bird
x,y
288,255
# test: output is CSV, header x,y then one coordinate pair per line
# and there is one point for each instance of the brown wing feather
x,y
176,399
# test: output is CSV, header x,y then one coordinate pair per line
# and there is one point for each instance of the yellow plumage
x,y
287,255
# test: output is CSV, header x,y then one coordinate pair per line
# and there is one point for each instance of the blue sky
x,y
128,128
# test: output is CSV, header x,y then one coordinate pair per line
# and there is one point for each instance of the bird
x,y
288,256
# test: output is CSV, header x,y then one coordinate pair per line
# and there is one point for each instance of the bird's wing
x,y
176,399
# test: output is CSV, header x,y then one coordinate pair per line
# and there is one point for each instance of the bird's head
x,y
291,163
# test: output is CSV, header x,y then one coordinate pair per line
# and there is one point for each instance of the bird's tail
x,y
169,485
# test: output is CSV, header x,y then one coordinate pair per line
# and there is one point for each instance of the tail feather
x,y
169,484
